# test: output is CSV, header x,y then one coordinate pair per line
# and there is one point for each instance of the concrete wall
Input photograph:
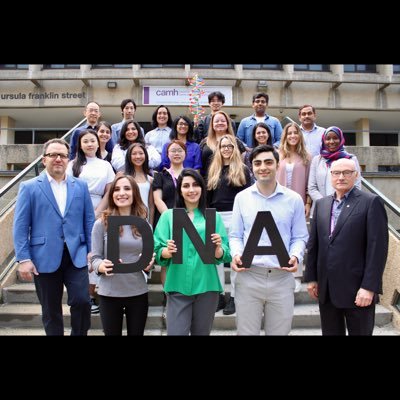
x,y
18,153
391,278
372,156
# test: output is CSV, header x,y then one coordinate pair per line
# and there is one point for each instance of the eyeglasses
x,y
173,151
347,173
183,124
227,147
63,156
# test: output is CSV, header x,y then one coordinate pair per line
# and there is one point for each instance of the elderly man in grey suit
x,y
347,252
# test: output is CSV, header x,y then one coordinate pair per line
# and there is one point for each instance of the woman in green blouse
x,y
192,287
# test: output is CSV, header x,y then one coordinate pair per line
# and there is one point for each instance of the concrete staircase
x,y
20,314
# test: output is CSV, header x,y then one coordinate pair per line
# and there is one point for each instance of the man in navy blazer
x,y
52,238
347,252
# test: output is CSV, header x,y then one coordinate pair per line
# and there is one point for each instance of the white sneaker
x,y
298,285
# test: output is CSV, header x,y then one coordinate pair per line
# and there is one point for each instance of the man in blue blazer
x,y
347,252
52,238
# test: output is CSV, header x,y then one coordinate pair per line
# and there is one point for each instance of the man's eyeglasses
x,y
63,156
347,173
227,147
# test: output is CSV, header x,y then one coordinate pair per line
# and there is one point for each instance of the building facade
x,y
38,102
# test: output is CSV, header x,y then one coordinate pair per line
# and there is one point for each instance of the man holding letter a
x,y
265,287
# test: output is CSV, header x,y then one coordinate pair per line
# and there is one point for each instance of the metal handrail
x,y
387,202
33,165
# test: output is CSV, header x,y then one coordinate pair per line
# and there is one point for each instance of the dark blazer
x,y
354,255
40,230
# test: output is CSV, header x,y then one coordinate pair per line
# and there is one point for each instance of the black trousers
x,y
112,310
50,288
359,321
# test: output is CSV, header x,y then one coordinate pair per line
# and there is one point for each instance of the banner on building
x,y
179,95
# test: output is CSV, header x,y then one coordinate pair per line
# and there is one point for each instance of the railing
x,y
391,209
33,169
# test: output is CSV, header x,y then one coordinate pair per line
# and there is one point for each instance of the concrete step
x,y
25,293
386,330
29,316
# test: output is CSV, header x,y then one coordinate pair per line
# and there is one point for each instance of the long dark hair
x,y
129,167
123,141
80,159
180,201
138,209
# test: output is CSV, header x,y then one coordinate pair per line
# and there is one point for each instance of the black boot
x,y
221,302
230,307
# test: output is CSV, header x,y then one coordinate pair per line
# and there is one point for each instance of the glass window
x,y
312,67
162,65
263,66
383,139
389,168
228,66
111,65
40,137
61,66
369,68
14,66
349,138
396,68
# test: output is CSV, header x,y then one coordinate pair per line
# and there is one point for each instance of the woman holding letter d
x,y
192,287
121,293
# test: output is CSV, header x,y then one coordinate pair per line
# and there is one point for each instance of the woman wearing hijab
x,y
332,148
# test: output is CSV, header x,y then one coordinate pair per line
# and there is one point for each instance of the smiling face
x,y
343,175
226,149
123,194
265,167
261,135
293,136
332,141
191,192
104,134
220,124
56,166
176,154
89,144
137,156
131,133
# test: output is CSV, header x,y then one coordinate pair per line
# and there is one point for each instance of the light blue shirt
x,y
246,126
287,209
158,137
313,139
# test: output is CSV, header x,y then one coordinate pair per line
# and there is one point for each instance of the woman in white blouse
x,y
131,133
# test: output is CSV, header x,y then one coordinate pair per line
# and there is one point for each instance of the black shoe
x,y
230,307
94,308
221,302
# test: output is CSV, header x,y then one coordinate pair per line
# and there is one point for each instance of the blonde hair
x,y
211,136
236,175
284,148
